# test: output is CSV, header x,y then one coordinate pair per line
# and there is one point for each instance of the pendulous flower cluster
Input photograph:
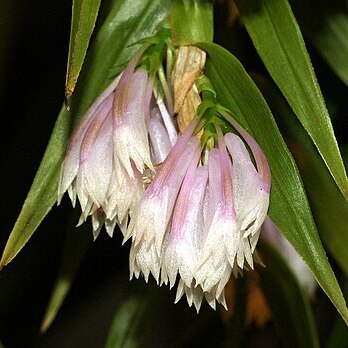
x,y
193,209
118,141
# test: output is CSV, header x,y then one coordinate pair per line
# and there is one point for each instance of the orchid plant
x,y
166,140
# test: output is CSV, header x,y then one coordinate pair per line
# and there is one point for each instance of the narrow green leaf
x,y
325,23
278,40
77,242
292,314
125,322
289,206
131,325
43,192
128,22
330,209
191,21
84,16
339,334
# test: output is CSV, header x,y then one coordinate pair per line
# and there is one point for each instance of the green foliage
x,y
278,40
325,24
76,245
194,14
84,16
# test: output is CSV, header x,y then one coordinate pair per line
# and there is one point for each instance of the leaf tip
x,y
45,324
68,93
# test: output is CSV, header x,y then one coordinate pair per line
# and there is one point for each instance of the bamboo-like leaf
x,y
128,22
292,314
325,23
77,242
126,320
43,192
194,14
278,40
84,16
339,334
289,207
131,325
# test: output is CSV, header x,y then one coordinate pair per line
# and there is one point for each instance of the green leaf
x,y
123,328
131,325
191,21
325,23
330,209
43,192
292,314
84,16
278,40
77,242
289,207
128,22
339,334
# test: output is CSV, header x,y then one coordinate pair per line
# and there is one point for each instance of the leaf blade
x,y
84,16
326,26
77,241
279,42
194,14
43,190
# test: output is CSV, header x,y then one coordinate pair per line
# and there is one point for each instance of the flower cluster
x,y
200,221
195,210
120,137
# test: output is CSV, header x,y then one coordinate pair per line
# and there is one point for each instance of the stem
x,y
166,90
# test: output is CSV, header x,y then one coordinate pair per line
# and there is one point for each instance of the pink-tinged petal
x,y
214,184
97,160
184,241
130,110
222,237
144,260
100,105
223,241
71,162
98,219
194,295
260,158
251,195
271,232
150,219
124,194
160,142
227,194
168,122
